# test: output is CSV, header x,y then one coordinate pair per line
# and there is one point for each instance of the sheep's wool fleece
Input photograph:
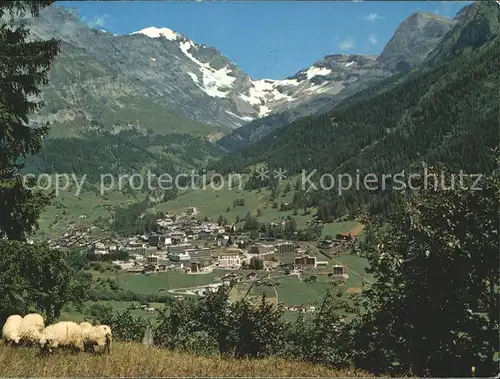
x,y
63,333
85,325
97,335
31,326
10,330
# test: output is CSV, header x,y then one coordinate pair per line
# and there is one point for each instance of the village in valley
x,y
186,256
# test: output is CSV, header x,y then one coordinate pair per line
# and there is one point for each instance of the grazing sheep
x,y
86,326
62,334
99,335
10,330
30,329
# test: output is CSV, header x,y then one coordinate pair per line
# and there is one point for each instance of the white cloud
x,y
97,21
373,17
346,44
372,38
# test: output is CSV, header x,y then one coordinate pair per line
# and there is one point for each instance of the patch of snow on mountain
x,y
288,82
264,85
251,99
264,111
244,118
349,63
154,32
266,91
185,46
216,83
193,76
314,71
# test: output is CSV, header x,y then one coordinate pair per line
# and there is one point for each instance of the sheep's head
x,y
44,346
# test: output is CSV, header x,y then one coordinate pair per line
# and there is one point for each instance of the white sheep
x,y
99,335
62,334
10,330
85,325
30,329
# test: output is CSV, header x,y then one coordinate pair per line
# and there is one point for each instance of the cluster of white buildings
x,y
229,258
100,248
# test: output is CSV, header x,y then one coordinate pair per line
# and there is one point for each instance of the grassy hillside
x,y
136,360
212,203
85,209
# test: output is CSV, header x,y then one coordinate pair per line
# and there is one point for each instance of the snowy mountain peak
x,y
314,71
154,32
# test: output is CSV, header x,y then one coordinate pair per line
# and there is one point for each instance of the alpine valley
x,y
184,219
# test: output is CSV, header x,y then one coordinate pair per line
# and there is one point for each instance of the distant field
x,y
73,315
89,206
151,284
340,227
356,269
293,292
240,290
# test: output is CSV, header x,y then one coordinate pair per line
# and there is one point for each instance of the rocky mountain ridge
x,y
158,74
347,75
158,79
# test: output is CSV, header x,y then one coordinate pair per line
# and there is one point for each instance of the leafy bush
x,y
124,325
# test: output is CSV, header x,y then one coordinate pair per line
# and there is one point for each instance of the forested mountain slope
x,y
475,24
127,152
447,114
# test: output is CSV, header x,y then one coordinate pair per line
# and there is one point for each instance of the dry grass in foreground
x,y
136,360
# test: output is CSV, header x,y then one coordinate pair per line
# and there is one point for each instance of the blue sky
x,y
266,39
